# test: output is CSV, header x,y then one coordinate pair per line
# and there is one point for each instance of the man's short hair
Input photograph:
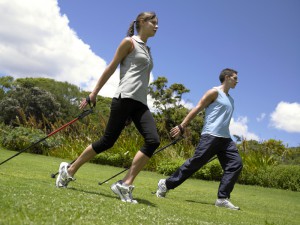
x,y
226,72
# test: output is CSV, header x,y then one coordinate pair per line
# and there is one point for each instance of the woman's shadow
x,y
140,201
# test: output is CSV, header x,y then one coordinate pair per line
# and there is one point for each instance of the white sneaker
x,y
224,202
63,178
161,188
124,192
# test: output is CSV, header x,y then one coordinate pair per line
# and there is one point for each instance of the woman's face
x,y
150,26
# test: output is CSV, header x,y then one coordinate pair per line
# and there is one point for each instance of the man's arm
x,y
207,99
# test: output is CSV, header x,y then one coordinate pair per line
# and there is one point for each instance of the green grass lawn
x,y
28,196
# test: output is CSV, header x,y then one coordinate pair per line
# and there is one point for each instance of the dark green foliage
x,y
118,159
5,85
66,94
170,110
20,138
28,101
167,167
9,108
210,171
293,156
280,176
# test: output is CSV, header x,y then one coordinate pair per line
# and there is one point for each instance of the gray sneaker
x,y
63,178
124,192
224,202
161,188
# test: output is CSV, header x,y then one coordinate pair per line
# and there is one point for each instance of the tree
x,y
66,94
9,108
169,108
28,101
5,85
164,97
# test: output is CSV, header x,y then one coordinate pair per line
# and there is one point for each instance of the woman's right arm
x,y
122,51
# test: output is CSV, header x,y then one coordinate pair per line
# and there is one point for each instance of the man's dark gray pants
x,y
209,146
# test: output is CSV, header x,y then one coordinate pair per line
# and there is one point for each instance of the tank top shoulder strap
x,y
132,44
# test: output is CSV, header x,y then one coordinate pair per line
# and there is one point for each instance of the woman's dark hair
x,y
226,72
146,16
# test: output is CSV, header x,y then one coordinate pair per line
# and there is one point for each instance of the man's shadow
x,y
200,202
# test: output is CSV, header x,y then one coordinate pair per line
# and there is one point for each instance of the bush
x,y
210,171
20,138
281,176
118,160
169,167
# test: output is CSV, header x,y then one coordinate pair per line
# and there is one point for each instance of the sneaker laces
x,y
66,178
130,190
127,193
163,187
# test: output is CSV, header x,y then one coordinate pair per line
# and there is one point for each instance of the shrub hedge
x,y
278,176
20,138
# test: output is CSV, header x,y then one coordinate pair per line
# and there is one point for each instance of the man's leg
x,y
231,163
205,150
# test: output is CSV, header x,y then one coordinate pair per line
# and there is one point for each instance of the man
x,y
215,140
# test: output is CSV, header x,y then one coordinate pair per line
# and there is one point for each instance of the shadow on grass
x,y
200,202
140,201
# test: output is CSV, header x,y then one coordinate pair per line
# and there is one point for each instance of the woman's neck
x,y
144,38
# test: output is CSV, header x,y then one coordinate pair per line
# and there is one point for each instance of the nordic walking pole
x,y
81,115
159,150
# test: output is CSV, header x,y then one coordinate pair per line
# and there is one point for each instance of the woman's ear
x,y
142,22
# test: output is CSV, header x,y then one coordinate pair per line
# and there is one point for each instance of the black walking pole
x,y
81,115
159,150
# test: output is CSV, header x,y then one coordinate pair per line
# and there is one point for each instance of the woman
x,y
129,103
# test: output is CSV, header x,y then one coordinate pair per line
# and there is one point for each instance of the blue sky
x,y
74,40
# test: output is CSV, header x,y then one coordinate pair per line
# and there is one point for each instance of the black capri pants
x,y
122,109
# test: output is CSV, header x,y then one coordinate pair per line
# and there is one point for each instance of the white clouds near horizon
x,y
286,117
239,127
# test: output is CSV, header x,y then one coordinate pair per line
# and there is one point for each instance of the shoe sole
x,y
160,196
227,207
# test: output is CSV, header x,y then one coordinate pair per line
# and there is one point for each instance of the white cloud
x,y
286,117
240,128
36,41
261,117
187,104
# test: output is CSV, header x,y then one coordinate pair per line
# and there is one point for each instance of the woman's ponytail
x,y
130,31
